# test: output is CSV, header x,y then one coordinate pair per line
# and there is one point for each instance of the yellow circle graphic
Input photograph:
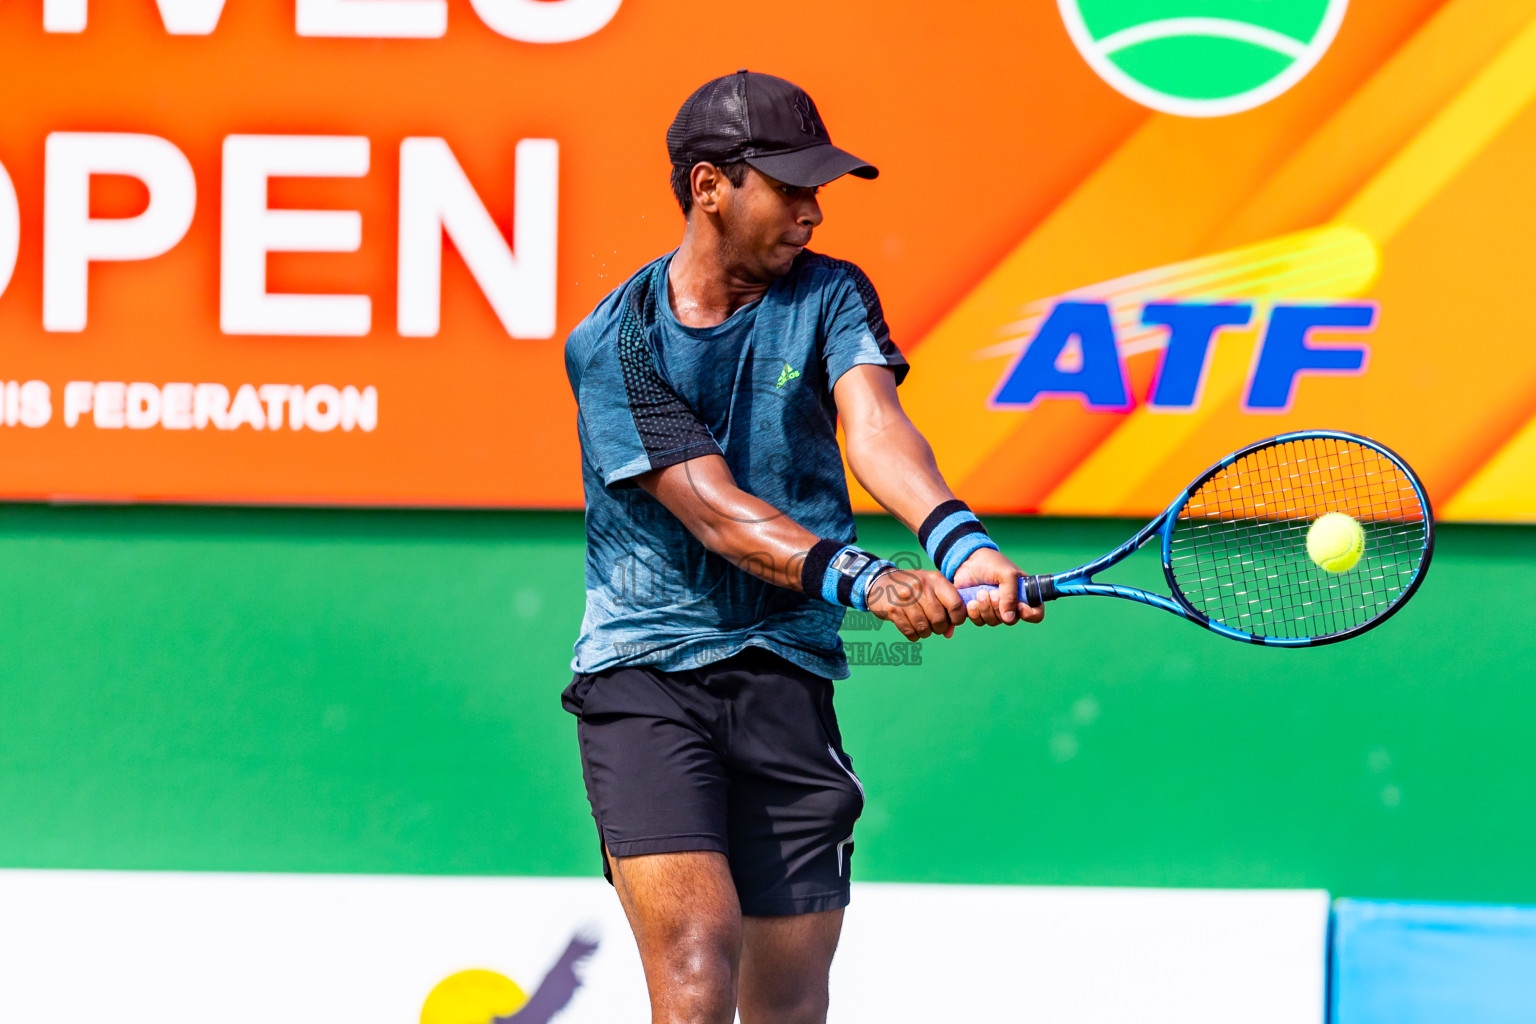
x,y
472,997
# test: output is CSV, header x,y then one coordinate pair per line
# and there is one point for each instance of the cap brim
x,y
813,166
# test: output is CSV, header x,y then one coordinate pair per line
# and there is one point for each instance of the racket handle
x,y
1033,590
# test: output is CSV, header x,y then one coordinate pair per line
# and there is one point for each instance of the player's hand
x,y
1000,607
919,602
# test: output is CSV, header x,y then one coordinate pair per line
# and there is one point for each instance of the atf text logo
x,y
1076,345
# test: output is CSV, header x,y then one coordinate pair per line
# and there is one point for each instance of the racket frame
x,y
1079,582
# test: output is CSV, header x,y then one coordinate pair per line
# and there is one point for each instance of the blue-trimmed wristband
x,y
951,534
841,573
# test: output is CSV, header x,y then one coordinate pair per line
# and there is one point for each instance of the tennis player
x,y
721,557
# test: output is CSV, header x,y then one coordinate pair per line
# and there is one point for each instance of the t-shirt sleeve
x,y
631,420
856,334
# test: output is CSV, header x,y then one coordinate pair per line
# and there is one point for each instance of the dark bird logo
x,y
558,986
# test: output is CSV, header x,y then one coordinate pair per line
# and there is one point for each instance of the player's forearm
x,y
746,531
896,465
756,538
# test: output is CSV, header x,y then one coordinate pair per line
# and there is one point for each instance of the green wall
x,y
281,690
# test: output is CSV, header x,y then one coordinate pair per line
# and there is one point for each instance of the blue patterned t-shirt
x,y
757,390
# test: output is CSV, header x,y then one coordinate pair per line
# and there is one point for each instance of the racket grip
x,y
1033,590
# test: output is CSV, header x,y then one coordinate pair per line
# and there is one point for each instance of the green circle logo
x,y
1202,58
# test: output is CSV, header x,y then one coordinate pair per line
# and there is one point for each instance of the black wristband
x,y
814,569
937,516
846,573
951,534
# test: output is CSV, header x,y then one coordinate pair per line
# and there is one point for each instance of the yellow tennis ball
x,y
1335,542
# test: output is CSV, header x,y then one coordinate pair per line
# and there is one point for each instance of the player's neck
x,y
706,284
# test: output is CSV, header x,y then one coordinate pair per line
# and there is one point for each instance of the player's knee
x,y
699,974
806,1004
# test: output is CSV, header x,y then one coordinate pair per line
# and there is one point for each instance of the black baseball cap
x,y
765,121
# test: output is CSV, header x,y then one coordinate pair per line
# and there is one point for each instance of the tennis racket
x,y
1234,544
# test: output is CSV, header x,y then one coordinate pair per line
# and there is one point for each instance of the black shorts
x,y
742,757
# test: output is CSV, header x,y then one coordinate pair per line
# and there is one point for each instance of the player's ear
x,y
707,183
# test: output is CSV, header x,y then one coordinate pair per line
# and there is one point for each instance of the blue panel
x,y
1433,963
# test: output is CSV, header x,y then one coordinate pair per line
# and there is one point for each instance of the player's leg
x,y
793,801
785,964
682,908
658,792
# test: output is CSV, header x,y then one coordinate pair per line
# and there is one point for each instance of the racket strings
x,y
1238,551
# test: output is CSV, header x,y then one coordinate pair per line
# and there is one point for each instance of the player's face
x,y
767,223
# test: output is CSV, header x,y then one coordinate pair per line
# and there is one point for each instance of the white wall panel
x,y
166,948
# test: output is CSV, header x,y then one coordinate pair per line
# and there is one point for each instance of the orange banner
x,y
327,251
